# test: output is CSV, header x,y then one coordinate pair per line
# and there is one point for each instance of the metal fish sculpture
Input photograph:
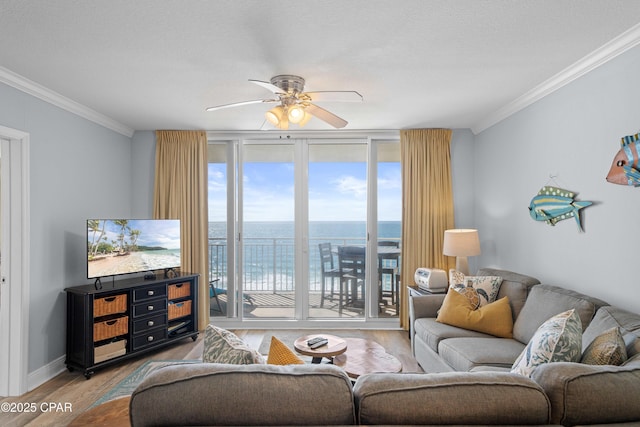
x,y
624,169
553,204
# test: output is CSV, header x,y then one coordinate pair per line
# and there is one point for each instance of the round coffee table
x,y
334,347
364,357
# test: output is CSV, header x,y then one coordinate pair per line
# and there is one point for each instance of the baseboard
x,y
45,373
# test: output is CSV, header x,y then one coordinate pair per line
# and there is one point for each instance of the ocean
x,y
269,255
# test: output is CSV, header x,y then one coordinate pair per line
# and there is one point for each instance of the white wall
x,y
573,134
79,170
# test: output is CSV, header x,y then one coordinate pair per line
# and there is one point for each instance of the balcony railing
x,y
269,263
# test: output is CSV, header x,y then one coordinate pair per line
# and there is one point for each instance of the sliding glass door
x,y
337,200
267,231
304,229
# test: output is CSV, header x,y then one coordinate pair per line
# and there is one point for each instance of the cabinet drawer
x,y
152,337
179,309
152,306
113,304
149,292
110,328
150,322
179,290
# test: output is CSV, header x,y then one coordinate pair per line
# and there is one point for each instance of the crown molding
x,y
25,85
600,56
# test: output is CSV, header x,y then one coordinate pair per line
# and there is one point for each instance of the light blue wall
x,y
574,134
79,170
144,163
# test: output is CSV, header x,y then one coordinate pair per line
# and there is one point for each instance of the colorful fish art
x,y
554,204
625,170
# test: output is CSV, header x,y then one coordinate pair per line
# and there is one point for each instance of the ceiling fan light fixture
x,y
275,115
305,119
296,113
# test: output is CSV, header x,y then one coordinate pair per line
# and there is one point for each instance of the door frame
x,y
14,281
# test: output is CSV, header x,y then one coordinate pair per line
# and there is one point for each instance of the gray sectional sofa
x,y
467,379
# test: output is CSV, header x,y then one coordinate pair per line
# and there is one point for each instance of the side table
x,y
334,347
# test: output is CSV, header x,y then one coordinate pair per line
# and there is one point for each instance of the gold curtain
x,y
180,192
427,204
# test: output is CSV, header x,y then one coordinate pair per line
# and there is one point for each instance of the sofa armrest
x,y
450,398
425,306
590,394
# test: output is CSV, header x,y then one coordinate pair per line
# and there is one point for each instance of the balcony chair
x,y
389,265
328,269
351,262
214,292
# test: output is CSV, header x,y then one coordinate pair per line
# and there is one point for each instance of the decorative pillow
x,y
472,295
607,349
280,354
222,346
494,318
486,286
559,339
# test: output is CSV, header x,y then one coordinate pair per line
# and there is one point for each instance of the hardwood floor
x,y
62,399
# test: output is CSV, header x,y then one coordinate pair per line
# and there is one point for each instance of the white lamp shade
x,y
461,242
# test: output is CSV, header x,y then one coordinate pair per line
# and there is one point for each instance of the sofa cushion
x,y
449,398
487,287
222,346
493,318
280,354
222,394
545,301
608,317
466,354
516,286
559,339
589,394
607,349
432,332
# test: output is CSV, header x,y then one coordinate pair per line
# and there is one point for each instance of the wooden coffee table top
x,y
334,347
364,357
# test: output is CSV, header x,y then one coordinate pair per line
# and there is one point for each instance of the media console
x,y
128,317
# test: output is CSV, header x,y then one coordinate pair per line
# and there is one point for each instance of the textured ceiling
x,y
157,64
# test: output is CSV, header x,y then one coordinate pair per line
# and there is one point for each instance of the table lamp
x,y
461,243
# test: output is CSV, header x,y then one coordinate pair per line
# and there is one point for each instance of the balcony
x,y
268,279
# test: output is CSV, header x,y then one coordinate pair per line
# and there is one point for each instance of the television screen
x,y
123,246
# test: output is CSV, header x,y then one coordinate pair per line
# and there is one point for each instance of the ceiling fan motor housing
x,y
288,83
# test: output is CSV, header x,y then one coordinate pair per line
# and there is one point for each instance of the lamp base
x,y
462,265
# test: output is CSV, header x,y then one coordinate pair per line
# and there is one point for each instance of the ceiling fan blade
x,y
335,96
270,87
239,104
326,116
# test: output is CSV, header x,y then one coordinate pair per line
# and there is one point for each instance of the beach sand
x,y
109,265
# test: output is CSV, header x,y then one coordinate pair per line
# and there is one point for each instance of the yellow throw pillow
x,y
280,354
493,318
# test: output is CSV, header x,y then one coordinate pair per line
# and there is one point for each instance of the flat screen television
x,y
125,246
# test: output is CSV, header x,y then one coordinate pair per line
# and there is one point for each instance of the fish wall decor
x,y
553,204
624,169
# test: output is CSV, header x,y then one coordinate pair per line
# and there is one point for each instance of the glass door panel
x,y
268,240
219,280
389,213
337,212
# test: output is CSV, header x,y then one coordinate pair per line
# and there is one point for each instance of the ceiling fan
x,y
295,105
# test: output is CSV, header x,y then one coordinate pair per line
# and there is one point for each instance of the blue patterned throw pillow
x,y
487,287
559,339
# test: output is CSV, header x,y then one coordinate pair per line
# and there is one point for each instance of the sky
x,y
337,191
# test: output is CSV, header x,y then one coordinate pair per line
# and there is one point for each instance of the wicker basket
x,y
114,304
179,309
179,290
110,328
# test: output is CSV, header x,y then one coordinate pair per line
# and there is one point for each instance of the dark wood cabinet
x,y
127,317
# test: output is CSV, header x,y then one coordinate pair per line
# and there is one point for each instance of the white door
x,y
14,272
